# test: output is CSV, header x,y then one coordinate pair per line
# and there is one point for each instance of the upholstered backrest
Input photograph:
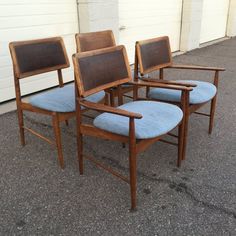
x,y
101,69
34,57
153,54
94,40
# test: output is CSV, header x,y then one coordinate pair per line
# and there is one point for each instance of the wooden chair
x,y
98,40
34,57
138,123
155,54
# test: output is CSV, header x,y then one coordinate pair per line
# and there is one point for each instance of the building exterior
x,y
188,23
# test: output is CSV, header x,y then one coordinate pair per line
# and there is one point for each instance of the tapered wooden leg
x,y
21,126
186,112
186,119
79,139
212,114
112,98
132,164
120,95
180,143
57,132
106,102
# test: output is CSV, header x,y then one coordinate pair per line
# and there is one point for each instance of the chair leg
x,y
21,125
67,122
79,139
133,177
106,101
112,98
57,133
212,114
180,143
186,119
132,165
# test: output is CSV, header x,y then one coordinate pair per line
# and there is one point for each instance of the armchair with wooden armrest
x,y
137,123
155,54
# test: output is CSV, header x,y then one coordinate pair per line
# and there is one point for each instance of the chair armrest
x,y
171,82
113,110
161,85
192,67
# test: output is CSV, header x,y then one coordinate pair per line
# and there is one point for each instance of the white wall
x,y
98,15
214,20
148,19
191,24
231,28
29,19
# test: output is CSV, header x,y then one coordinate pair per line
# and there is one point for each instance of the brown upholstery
x,y
38,56
155,53
94,40
102,68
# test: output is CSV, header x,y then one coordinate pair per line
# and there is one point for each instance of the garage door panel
x,y
214,20
25,20
148,19
37,9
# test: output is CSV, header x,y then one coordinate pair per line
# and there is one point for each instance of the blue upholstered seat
x,y
61,99
158,118
202,93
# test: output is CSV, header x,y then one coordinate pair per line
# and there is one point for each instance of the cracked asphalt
x,y
38,198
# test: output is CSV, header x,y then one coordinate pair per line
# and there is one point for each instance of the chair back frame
x,y
153,54
27,48
94,40
101,59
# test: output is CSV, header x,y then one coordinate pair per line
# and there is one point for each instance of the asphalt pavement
x,y
38,198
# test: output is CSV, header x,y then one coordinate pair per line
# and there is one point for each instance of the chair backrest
x,y
94,40
34,57
101,69
153,54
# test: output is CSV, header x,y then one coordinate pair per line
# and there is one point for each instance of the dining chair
x,y
34,57
137,123
98,40
155,55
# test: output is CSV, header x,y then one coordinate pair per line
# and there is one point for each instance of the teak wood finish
x,y
155,54
98,40
34,57
94,65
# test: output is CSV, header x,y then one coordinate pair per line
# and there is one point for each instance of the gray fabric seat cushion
x,y
158,118
61,99
203,92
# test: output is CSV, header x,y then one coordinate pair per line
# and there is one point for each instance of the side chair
x,y
98,40
33,57
137,123
155,54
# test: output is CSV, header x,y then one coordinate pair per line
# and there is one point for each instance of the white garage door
x,y
28,19
149,19
214,19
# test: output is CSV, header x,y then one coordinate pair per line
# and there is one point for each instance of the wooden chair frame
x,y
98,40
188,108
57,117
135,146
